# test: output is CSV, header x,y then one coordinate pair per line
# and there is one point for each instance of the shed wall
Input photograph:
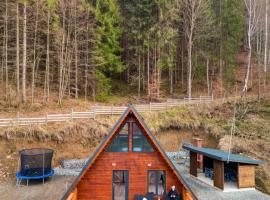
x,y
246,176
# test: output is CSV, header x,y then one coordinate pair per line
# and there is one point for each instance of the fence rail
x,y
102,110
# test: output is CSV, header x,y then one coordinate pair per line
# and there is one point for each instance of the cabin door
x,y
120,185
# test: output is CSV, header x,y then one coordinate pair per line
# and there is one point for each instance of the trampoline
x,y
35,164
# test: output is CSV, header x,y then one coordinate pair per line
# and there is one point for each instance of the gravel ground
x,y
53,189
207,192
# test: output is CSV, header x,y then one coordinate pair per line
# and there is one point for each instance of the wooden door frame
x,y
126,177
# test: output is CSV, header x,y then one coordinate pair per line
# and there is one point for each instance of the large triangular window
x,y
121,140
130,138
140,142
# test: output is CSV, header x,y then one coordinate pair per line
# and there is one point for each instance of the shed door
x,y
120,185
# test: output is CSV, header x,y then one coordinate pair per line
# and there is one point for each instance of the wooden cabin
x,y
129,162
223,169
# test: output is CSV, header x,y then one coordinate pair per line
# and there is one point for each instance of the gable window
x,y
156,181
120,142
139,141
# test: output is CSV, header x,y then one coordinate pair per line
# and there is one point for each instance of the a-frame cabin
x,y
128,162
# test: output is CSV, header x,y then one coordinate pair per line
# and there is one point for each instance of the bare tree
x,y
47,73
35,57
265,44
195,14
253,12
18,51
24,52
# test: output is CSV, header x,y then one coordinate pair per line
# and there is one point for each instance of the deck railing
x,y
102,110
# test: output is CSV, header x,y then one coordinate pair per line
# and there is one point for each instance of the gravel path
x,y
207,192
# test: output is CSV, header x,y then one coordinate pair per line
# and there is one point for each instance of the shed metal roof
x,y
222,155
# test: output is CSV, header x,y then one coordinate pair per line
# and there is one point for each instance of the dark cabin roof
x,y
222,155
101,147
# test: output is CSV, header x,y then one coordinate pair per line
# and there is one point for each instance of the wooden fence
x,y
102,110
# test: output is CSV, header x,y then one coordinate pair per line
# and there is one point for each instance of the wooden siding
x,y
219,174
193,164
97,182
73,195
246,176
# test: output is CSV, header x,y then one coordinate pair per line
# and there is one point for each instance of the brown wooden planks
x,y
246,176
97,182
193,164
219,174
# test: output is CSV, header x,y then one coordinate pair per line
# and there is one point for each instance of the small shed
x,y
223,168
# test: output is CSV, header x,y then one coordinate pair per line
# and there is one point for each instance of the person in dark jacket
x,y
173,194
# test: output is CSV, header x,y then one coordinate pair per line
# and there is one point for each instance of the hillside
x,y
212,123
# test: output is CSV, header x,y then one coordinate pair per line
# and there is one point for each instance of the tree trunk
x,y
76,55
6,51
182,67
207,76
265,46
245,88
47,73
18,52
158,73
148,69
171,80
24,55
34,56
62,63
139,78
189,67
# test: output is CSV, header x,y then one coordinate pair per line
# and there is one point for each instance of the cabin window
x,y
139,140
120,142
156,181
120,185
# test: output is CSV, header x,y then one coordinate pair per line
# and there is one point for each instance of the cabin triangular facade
x,y
128,163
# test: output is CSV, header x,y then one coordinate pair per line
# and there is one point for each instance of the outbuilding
x,y
223,170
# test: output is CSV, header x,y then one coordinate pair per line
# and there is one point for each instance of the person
x,y
173,194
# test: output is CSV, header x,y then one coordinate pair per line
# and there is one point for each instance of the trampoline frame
x,y
20,177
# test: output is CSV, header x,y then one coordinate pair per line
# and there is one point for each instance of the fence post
x,y
200,99
94,110
150,107
112,110
46,119
72,114
17,118
166,105
212,96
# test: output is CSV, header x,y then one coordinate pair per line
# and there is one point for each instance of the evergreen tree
x,y
108,19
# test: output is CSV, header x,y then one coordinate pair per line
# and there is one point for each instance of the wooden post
x,y
72,114
193,163
200,99
219,174
166,105
112,110
94,110
150,107
46,120
18,119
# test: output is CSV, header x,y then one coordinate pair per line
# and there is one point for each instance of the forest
x,y
90,48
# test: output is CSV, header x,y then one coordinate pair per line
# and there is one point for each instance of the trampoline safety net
x,y
36,162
